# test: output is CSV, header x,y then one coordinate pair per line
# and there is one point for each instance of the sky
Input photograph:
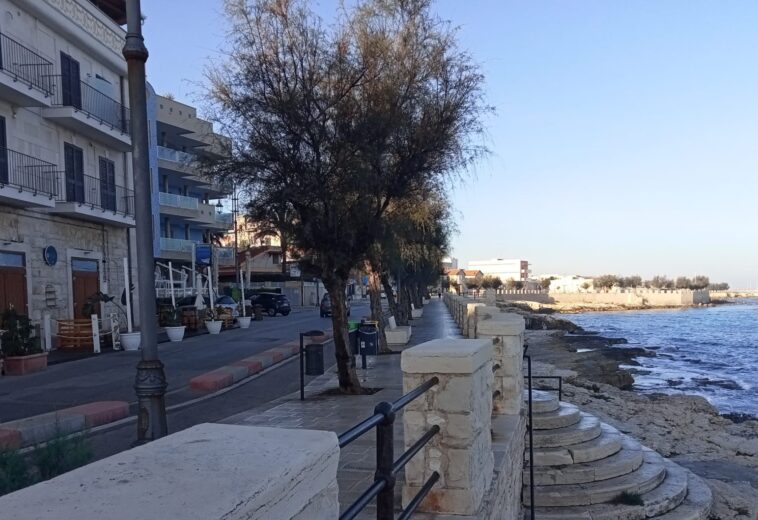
x,y
623,140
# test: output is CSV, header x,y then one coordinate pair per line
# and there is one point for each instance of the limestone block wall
x,y
637,297
208,472
49,287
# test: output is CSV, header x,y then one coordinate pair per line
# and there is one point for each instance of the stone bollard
x,y
461,404
469,325
506,331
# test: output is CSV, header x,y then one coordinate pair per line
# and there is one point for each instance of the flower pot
x,y
175,334
131,340
20,365
213,326
244,321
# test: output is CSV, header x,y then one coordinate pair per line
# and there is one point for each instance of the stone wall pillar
x,y
506,331
469,323
461,404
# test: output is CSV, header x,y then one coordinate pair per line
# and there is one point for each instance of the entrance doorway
x,y
85,284
13,282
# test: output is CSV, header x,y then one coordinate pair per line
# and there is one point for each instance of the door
x,y
85,284
13,282
74,165
107,184
4,174
71,87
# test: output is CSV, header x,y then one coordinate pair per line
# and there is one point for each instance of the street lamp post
x,y
150,382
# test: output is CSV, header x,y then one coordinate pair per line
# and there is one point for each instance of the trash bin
x,y
314,359
352,333
368,338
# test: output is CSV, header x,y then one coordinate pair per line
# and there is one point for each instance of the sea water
x,y
707,351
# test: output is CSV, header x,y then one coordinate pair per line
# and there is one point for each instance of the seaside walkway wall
x,y
630,297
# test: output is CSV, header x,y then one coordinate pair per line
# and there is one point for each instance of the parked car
x,y
272,303
326,306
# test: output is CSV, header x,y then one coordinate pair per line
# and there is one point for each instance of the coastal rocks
x,y
536,321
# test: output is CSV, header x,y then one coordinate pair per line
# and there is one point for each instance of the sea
x,y
707,351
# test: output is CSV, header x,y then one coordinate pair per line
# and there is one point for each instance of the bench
x,y
397,334
416,313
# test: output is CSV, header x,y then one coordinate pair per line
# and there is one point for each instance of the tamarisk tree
x,y
336,122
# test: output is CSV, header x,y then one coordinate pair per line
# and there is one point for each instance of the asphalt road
x,y
111,376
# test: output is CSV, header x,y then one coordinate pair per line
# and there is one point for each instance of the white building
x,y
450,262
570,283
506,269
66,185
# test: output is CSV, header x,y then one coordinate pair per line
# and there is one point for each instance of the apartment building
x,y
187,204
506,269
66,185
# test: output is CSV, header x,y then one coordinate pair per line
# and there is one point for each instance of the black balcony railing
x,y
27,173
25,65
98,193
91,101
387,467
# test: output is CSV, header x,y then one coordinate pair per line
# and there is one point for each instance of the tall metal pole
x,y
150,383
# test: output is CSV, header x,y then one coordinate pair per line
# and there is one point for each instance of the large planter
x,y
244,321
175,334
20,365
213,326
131,340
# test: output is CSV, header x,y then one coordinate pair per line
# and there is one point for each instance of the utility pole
x,y
150,382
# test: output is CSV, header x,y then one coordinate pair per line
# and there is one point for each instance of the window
x,y
275,258
8,259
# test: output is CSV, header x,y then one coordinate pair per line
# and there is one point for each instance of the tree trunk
x,y
375,297
348,379
283,242
391,303
403,306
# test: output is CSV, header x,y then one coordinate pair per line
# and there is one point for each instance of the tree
x,y
722,286
519,285
510,284
338,123
661,282
273,220
586,285
497,283
700,282
605,281
545,283
631,281
682,282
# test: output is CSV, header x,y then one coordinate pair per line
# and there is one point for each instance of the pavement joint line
x,y
178,406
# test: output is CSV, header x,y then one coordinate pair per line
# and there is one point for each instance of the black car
x,y
272,303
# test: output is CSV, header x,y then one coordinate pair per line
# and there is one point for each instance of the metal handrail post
x,y
385,460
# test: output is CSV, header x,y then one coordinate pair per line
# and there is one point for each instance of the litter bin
x,y
314,359
368,338
352,333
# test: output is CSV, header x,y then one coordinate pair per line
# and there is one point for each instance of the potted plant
x,y
174,327
212,321
130,341
244,321
21,348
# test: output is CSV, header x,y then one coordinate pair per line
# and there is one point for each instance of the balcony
x,y
85,110
90,198
176,248
177,161
179,205
27,181
25,75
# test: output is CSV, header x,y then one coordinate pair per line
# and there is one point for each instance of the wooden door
x,y
71,88
85,284
13,282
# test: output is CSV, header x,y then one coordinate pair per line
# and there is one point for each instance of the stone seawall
x,y
630,298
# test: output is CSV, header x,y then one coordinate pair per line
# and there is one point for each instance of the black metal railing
x,y
387,468
98,193
27,173
559,390
23,64
85,97
530,430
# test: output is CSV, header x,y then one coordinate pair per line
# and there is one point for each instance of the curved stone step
x,y
586,429
542,401
566,415
608,443
646,478
697,504
624,461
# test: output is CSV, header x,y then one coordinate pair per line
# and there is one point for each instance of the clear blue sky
x,y
625,135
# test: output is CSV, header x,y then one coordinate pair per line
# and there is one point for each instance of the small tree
x,y
586,285
518,285
545,283
605,281
661,282
700,282
497,283
510,284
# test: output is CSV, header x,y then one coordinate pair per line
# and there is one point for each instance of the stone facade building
x,y
66,185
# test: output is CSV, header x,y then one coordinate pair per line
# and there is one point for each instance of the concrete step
x,y
608,443
586,429
542,401
566,415
645,478
697,504
624,461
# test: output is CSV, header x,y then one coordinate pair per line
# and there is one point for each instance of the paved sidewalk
x,y
338,413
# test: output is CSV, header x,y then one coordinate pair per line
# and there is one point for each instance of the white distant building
x,y
570,283
506,269
450,262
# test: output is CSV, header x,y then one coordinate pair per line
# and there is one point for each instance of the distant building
x,y
568,283
449,262
248,234
505,269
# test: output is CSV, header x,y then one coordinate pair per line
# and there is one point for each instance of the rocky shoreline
x,y
723,449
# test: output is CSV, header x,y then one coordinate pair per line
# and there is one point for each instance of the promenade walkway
x,y
324,409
